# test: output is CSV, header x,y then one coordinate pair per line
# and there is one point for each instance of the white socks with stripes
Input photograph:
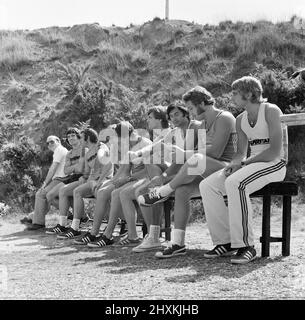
x,y
154,232
75,224
63,220
178,237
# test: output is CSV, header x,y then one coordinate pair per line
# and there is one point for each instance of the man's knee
x,y
62,192
115,194
127,193
183,192
41,194
231,182
50,196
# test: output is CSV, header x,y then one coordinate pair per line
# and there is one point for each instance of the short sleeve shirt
x,y
59,156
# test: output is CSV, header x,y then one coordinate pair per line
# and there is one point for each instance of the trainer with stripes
x,y
259,127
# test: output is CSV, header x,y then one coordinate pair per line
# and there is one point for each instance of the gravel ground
x,y
40,266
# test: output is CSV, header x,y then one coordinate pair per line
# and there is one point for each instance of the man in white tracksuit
x,y
259,125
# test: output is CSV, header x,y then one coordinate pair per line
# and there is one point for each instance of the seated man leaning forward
x,y
215,150
124,138
74,169
179,116
153,158
95,172
49,188
260,127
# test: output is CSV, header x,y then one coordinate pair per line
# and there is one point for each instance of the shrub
x,y
17,94
20,174
227,47
195,60
73,75
140,58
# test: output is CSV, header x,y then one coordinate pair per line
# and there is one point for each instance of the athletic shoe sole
x,y
227,254
139,250
160,255
61,237
243,261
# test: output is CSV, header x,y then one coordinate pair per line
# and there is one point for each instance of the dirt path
x,y
42,267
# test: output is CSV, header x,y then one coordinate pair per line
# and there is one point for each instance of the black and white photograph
x,y
152,153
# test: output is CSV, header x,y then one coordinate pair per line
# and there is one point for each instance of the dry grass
x,y
15,50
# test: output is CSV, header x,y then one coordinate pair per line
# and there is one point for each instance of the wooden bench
x,y
285,189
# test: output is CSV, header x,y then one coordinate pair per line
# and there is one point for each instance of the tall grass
x,y
15,50
195,61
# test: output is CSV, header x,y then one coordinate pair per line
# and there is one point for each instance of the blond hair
x,y
251,85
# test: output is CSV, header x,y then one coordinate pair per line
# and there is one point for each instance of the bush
x,y
195,61
74,76
227,47
20,174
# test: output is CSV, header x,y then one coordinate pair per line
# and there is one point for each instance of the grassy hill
x,y
54,77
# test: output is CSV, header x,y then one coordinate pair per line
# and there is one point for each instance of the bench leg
x,y
144,229
266,226
286,226
167,218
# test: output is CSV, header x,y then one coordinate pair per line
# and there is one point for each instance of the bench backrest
x,y
293,119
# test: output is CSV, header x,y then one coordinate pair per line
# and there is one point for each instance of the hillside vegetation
x,y
55,77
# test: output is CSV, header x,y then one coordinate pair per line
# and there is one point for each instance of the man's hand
x,y
82,180
231,168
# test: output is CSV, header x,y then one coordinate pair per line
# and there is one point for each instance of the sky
x,y
34,14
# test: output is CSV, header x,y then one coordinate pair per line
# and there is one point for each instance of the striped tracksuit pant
x,y
232,223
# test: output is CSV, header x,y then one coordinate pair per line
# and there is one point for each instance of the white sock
x,y
63,220
178,237
75,224
165,190
154,232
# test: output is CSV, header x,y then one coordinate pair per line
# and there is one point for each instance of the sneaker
x,y
172,251
87,238
221,250
56,230
152,197
35,226
148,244
26,220
100,241
69,234
126,242
244,255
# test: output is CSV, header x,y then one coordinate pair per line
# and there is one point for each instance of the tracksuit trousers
x,y
232,223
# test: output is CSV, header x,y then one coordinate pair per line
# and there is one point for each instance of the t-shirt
x,y
93,167
74,156
59,156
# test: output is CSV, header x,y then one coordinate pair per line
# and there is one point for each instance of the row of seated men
x,y
193,148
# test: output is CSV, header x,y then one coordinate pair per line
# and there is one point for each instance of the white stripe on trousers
x,y
233,224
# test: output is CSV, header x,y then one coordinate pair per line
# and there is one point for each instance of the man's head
x,y
247,90
89,136
197,100
53,142
73,136
178,114
157,118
